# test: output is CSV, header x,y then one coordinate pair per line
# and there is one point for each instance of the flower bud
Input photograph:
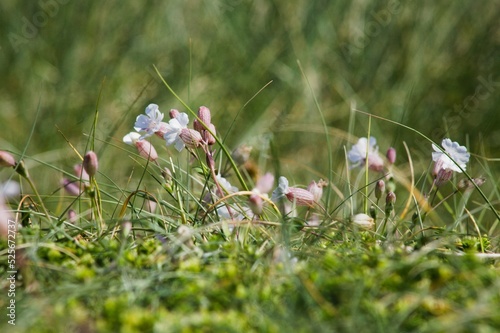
x,y
379,189
6,159
442,176
373,212
146,150
204,115
90,163
255,203
80,172
391,155
363,220
191,138
208,137
71,187
173,113
390,200
300,196
317,189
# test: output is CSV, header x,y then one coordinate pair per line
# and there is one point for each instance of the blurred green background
x,y
432,65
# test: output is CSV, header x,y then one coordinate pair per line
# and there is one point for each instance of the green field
x,y
297,81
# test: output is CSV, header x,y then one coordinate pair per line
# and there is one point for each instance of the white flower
x,y
132,138
173,131
281,190
226,185
453,156
150,123
358,153
10,189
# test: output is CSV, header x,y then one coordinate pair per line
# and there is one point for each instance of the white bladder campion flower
x,y
363,149
174,129
454,157
149,123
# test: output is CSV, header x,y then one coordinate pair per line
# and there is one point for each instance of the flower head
x,y
173,131
453,158
299,196
363,149
150,123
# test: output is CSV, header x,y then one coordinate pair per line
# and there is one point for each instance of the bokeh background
x,y
431,65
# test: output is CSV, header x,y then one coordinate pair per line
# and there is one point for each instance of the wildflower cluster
x,y
365,153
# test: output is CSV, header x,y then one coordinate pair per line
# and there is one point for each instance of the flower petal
x,y
131,138
182,119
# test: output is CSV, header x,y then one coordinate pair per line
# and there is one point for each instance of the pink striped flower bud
x,y
391,198
391,155
300,196
6,159
379,189
146,150
208,137
204,115
191,138
173,113
90,163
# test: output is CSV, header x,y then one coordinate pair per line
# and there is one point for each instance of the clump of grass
x,y
378,244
